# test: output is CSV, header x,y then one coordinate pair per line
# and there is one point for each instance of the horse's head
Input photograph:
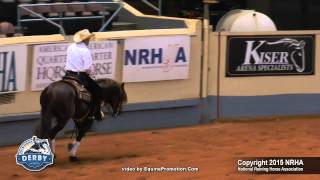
x,y
114,94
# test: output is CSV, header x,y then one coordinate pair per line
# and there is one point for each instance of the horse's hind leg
x,y
54,131
82,127
43,129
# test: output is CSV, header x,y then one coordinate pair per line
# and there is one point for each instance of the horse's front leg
x,y
82,128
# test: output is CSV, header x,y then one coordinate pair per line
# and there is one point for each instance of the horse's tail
x,y
43,128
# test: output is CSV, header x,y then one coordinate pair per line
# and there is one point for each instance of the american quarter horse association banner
x,y
156,58
270,55
13,68
49,61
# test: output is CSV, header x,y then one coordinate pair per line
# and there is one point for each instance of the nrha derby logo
x,y
34,154
285,55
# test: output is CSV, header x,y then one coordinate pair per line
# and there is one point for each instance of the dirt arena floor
x,y
213,148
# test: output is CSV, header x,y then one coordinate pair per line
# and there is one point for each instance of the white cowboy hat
x,y
82,35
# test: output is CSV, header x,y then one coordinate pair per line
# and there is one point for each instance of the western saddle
x,y
82,92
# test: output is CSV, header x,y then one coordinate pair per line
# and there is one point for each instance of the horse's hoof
x,y
70,146
73,159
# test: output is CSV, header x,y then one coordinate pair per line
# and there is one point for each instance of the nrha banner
x,y
156,58
13,68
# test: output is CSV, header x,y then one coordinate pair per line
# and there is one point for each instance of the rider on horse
x,y
80,65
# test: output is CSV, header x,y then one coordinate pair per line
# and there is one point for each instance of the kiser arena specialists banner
x,y
270,55
156,58
13,68
49,61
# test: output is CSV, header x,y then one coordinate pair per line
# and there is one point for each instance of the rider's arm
x,y
88,63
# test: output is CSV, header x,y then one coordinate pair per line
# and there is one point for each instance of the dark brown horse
x,y
59,104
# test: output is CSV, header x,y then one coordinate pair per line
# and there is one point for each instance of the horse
x,y
59,102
